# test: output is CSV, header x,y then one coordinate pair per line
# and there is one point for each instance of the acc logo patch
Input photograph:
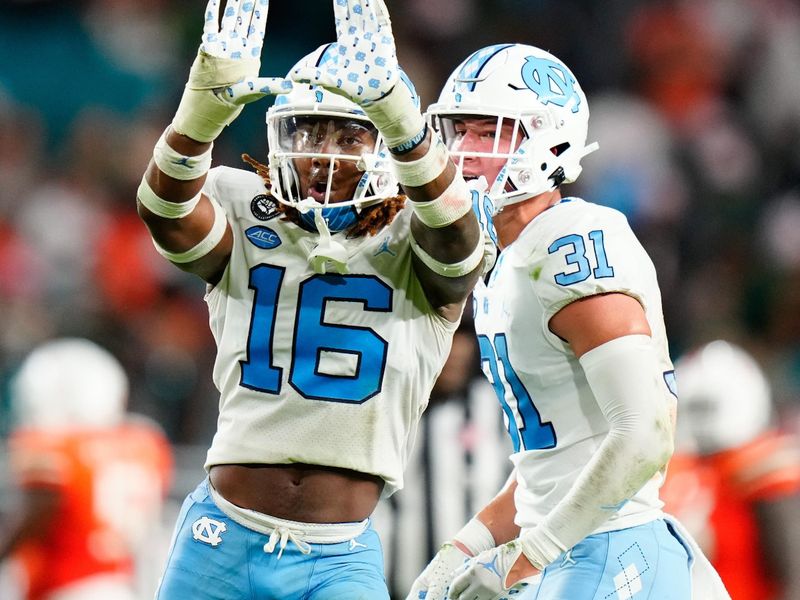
x,y
551,82
263,208
263,237
208,531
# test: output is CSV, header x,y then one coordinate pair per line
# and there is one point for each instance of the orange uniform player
x,y
735,482
111,483
92,479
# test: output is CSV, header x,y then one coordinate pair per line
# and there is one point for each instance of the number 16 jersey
x,y
572,250
323,369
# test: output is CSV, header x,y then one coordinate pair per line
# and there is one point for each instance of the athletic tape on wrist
x,y
475,537
418,172
459,269
177,165
206,245
202,114
396,116
454,203
164,208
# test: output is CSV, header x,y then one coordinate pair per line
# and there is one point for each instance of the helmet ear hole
x,y
560,149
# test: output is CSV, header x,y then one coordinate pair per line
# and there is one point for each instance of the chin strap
x,y
328,254
590,148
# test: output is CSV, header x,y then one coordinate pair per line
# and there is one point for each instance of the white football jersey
x,y
572,250
326,369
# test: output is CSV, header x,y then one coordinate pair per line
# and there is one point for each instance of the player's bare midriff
x,y
299,492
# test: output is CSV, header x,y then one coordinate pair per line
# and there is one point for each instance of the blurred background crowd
x,y
695,104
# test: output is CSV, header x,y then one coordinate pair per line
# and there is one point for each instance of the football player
x,y
92,478
332,300
572,338
735,478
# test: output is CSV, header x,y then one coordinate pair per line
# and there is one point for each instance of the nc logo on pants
x,y
208,531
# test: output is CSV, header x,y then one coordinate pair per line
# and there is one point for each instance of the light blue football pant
x,y
648,562
239,568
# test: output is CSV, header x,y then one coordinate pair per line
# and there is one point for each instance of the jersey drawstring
x,y
281,536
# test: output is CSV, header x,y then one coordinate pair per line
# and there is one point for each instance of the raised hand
x,y
364,65
364,69
240,35
224,76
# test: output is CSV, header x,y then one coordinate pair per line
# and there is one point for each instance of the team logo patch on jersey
x,y
208,531
263,237
263,208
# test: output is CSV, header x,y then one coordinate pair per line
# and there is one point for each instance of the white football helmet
x,y
300,123
536,92
724,399
70,382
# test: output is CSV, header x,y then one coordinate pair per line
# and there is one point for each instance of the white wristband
x,y
418,172
396,116
177,165
454,203
475,537
206,245
459,269
164,208
540,547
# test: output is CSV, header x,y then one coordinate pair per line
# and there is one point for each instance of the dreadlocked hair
x,y
371,220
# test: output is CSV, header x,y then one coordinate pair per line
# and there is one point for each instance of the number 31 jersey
x,y
572,250
325,369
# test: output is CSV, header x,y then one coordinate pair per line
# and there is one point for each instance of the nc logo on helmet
x,y
551,82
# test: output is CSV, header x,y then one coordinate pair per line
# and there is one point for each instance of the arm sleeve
x,y
625,379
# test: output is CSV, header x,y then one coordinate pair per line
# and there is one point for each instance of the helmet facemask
x,y
313,129
324,160
481,144
328,165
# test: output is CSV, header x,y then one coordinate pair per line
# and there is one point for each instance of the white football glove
x,y
224,76
364,66
484,576
433,582
364,69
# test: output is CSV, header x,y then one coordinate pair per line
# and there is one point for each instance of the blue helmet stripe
x,y
474,65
